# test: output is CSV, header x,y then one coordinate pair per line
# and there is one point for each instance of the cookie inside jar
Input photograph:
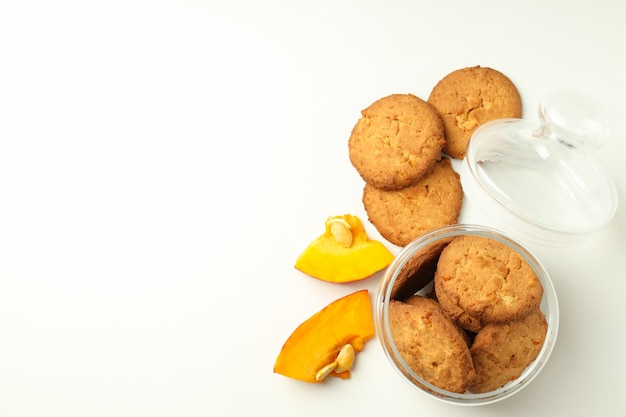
x,y
477,295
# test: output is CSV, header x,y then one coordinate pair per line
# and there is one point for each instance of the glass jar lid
x,y
541,182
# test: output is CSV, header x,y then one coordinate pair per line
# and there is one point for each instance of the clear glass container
x,y
540,182
422,248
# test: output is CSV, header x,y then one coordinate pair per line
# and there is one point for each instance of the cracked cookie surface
x,y
430,344
480,281
469,97
502,351
396,140
401,216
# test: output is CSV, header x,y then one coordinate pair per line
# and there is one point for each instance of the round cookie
x,y
480,280
396,140
469,97
430,344
502,351
401,216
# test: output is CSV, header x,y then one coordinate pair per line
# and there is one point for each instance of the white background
x,y
163,163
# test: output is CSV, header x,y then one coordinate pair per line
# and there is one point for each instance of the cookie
x,y
430,344
480,280
418,271
396,140
417,299
502,351
401,216
469,97
457,314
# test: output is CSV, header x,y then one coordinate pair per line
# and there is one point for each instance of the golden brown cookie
x,y
501,352
401,216
396,140
430,344
480,280
469,97
417,300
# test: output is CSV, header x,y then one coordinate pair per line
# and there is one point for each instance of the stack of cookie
x,y
409,187
481,326
401,147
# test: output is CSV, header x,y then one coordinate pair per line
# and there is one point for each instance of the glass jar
x,y
424,247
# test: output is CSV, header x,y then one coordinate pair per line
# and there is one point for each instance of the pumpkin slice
x,y
344,253
312,351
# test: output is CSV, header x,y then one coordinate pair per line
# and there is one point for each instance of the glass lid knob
x,y
541,179
575,119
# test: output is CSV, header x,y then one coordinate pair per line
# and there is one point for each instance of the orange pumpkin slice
x,y
344,253
311,350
